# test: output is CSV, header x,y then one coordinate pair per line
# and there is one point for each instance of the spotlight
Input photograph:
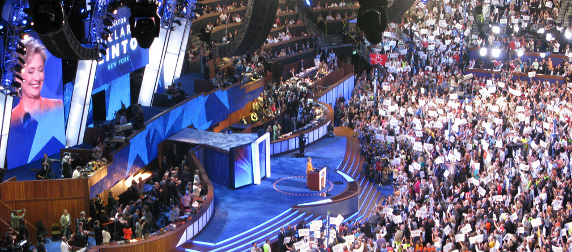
x,y
144,23
540,31
114,12
495,52
520,52
372,19
82,11
48,16
483,51
496,29
1,27
15,84
308,3
24,22
25,37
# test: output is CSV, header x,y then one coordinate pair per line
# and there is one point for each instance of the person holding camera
x,y
139,227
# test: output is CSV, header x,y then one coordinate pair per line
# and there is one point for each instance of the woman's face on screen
x,y
33,75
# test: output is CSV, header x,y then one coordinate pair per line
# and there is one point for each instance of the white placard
x,y
535,164
531,74
536,222
447,230
453,96
482,191
303,232
459,237
418,146
397,219
415,233
428,146
466,229
442,23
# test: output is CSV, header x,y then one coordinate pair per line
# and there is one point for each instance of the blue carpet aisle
x,y
239,210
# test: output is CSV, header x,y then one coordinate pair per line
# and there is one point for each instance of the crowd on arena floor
x,y
477,165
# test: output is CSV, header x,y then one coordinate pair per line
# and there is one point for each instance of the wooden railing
x,y
5,216
44,200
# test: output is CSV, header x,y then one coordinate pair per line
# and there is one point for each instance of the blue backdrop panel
x,y
34,133
202,112
241,166
123,54
217,166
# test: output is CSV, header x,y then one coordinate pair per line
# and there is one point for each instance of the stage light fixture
x,y
15,84
18,68
308,3
483,51
48,16
25,37
21,51
372,19
495,52
144,23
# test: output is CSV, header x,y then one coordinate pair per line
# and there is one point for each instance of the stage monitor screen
x,y
123,54
37,121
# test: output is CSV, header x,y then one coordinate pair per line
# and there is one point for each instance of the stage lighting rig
x,y
374,15
48,16
372,19
144,22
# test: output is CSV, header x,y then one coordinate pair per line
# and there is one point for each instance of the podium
x,y
317,180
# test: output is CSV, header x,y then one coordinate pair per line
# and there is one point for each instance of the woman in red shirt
x,y
127,232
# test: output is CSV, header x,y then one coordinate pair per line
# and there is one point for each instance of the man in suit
x,y
281,237
291,73
98,233
301,66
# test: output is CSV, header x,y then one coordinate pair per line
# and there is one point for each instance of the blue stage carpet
x,y
239,210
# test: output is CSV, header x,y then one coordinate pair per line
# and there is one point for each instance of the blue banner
x,y
123,53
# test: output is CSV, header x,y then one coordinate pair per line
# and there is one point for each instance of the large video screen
x,y
37,122
123,54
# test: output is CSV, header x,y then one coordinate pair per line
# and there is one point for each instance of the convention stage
x,y
242,209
